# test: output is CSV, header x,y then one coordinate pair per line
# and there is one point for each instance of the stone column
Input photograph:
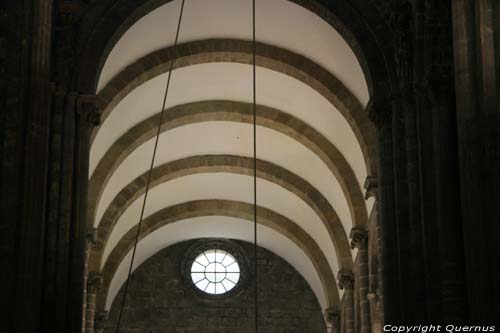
x,y
476,30
87,117
359,240
332,316
375,312
374,257
346,282
380,112
25,98
91,240
94,284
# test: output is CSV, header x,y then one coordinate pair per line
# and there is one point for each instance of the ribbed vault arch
x,y
229,208
230,164
230,111
240,51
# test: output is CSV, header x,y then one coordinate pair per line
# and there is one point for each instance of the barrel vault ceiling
x,y
314,142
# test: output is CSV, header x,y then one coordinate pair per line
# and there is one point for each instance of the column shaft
x,y
359,240
346,282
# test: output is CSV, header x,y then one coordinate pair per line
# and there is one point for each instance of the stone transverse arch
x,y
239,51
228,208
230,111
230,164
359,22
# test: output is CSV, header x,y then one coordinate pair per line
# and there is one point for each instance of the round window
x,y
215,271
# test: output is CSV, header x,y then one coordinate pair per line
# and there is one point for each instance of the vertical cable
x,y
158,131
254,165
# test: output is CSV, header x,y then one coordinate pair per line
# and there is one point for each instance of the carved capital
x,y
380,111
88,110
94,282
92,237
371,187
70,11
346,280
359,238
332,316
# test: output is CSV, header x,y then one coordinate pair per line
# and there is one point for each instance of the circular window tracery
x,y
215,271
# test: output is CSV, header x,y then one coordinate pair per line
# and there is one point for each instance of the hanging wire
x,y
254,164
150,172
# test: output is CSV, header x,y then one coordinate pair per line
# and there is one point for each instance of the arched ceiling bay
x,y
202,178
232,81
199,189
235,139
127,155
278,22
314,142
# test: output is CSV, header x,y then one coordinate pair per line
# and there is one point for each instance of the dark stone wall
x,y
161,300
